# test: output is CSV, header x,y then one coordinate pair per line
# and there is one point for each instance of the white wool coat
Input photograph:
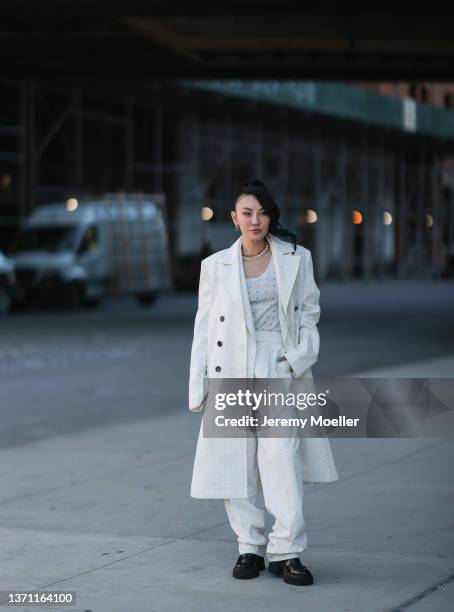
x,y
224,314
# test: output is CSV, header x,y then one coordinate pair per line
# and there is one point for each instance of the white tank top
x,y
264,299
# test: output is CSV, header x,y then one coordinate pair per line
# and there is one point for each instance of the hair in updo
x,y
256,188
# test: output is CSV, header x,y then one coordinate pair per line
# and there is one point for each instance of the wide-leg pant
x,y
277,463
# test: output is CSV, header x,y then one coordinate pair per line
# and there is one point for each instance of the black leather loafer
x,y
292,571
248,566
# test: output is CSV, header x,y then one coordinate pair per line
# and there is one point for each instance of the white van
x,y
81,251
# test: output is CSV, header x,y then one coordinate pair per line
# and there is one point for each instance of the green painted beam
x,y
339,100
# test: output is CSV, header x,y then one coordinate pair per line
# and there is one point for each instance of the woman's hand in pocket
x,y
284,358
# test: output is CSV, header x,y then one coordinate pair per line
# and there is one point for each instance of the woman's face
x,y
251,217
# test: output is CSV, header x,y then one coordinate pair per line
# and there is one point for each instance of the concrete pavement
x,y
107,513
97,445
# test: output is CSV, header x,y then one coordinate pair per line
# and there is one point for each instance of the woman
x,y
256,318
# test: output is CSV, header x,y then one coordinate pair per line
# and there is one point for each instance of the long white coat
x,y
224,314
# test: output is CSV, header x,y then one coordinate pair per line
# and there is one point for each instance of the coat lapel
x,y
231,273
287,265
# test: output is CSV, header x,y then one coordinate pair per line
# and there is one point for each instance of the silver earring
x,y
237,228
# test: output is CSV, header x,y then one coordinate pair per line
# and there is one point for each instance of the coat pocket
x,y
282,368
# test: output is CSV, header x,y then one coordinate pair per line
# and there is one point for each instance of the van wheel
x,y
147,298
75,295
5,302
92,302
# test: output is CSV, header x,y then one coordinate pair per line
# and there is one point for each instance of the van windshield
x,y
53,239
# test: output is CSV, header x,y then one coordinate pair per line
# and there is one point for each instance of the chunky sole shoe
x,y
248,566
276,567
293,573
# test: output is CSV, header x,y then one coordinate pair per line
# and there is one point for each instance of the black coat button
x,y
222,318
296,307
218,368
219,343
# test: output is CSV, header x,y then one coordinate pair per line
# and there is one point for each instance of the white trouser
x,y
277,462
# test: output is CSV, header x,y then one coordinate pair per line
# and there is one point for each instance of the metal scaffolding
x,y
60,141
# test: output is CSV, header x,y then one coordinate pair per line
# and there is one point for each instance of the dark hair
x,y
256,188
